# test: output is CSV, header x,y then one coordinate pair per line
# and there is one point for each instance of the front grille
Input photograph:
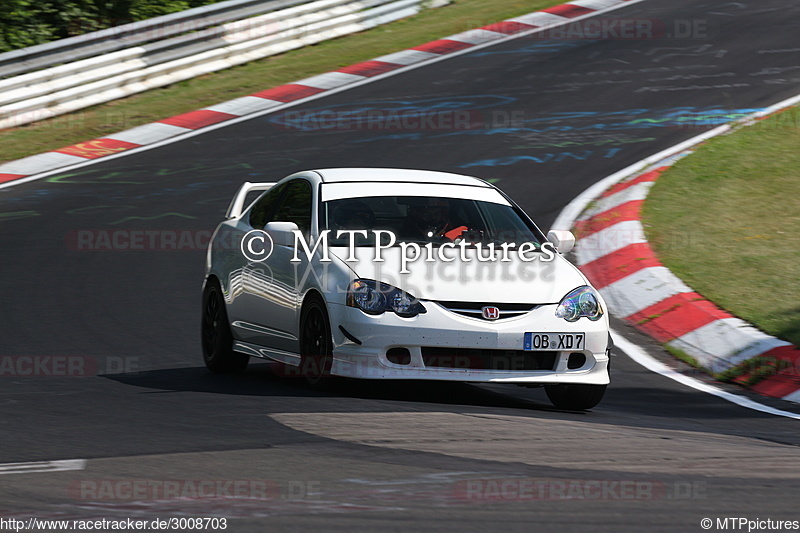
x,y
474,310
486,359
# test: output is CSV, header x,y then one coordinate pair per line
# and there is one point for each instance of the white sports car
x,y
401,274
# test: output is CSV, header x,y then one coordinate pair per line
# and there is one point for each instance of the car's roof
x,y
342,175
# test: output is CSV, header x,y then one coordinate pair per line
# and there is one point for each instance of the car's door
x,y
241,308
271,285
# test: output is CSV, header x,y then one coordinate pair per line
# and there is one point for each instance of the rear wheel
x,y
216,335
575,397
316,345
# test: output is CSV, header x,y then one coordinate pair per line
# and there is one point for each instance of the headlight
x,y
583,301
376,298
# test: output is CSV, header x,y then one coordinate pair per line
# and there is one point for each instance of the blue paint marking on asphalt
x,y
544,158
544,47
677,117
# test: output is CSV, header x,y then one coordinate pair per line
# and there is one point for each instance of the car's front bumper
x,y
440,328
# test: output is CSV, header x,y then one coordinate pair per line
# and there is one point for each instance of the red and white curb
x,y
264,101
614,254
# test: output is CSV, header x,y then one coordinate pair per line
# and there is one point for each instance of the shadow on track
x,y
633,399
262,380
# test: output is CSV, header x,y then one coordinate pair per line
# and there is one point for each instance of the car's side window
x,y
295,206
264,209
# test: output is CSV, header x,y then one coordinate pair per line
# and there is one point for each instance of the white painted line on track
x,y
641,356
42,466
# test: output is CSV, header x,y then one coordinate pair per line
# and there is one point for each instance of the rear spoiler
x,y
236,208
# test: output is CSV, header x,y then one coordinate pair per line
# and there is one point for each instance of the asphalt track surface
x,y
385,456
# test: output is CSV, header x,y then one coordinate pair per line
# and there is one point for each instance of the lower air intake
x,y
485,359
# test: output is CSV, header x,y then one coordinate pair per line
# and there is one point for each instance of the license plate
x,y
553,341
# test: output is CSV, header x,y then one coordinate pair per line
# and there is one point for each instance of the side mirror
x,y
281,232
563,240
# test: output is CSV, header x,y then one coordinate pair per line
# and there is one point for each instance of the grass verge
x,y
726,220
98,121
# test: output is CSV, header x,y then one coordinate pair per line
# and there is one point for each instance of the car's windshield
x,y
426,219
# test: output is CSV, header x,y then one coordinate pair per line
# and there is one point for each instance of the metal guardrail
x,y
47,80
109,40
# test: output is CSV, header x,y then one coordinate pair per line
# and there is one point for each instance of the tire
x,y
216,335
575,397
316,344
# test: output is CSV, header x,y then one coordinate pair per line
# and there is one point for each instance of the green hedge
x,y
29,22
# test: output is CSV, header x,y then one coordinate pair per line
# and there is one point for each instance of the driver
x,y
429,219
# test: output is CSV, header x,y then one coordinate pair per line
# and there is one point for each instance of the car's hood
x,y
513,281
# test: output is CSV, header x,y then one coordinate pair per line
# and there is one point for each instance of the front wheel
x,y
575,397
316,345
216,335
